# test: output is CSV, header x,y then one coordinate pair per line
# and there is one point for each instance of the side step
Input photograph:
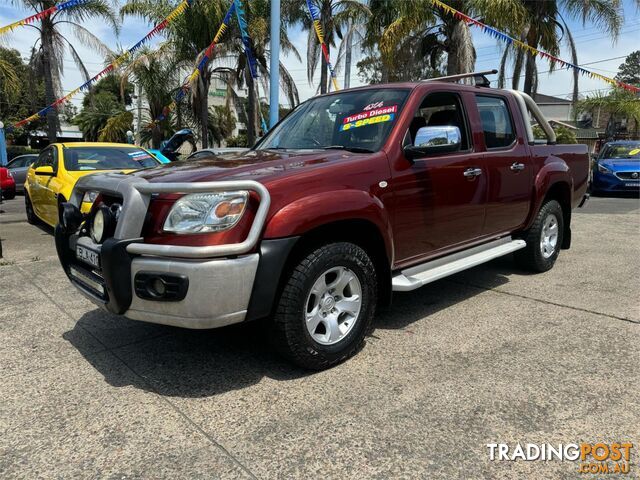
x,y
420,275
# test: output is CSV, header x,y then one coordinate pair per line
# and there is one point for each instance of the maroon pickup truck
x,y
352,196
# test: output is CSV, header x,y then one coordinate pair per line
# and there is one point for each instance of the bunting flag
x,y
199,69
315,17
528,48
179,10
40,15
251,59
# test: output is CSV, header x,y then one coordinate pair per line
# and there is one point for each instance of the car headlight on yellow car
x,y
206,212
89,197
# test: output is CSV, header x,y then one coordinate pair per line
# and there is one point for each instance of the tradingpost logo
x,y
591,458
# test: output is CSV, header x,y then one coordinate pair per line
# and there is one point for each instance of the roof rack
x,y
480,78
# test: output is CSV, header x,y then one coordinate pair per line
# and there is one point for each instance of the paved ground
x,y
490,355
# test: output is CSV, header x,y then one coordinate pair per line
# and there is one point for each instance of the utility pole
x,y
274,65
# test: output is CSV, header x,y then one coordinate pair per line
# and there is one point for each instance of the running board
x,y
416,277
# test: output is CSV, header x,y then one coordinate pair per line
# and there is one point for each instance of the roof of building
x,y
545,99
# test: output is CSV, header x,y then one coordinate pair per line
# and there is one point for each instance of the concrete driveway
x,y
492,355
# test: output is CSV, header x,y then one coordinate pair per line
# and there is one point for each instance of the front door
x,y
46,201
438,205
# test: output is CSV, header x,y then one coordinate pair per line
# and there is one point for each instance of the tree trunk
x,y
49,91
347,59
156,136
323,75
461,56
530,65
252,114
204,112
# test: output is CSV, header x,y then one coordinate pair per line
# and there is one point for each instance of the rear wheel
x,y
544,239
31,215
326,307
9,195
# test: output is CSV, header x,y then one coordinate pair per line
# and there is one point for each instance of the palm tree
x,y
546,28
155,72
436,31
190,35
618,103
234,68
52,44
336,17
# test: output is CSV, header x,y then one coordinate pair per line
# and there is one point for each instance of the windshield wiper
x,y
348,149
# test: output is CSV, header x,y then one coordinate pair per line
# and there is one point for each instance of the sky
x,y
596,51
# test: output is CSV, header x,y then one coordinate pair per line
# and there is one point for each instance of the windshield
x,y
621,151
80,159
357,120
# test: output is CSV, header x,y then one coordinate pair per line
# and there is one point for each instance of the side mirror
x,y
434,141
45,171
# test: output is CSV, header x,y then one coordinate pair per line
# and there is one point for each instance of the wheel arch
x,y
560,191
280,256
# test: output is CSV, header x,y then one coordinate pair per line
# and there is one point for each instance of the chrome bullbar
x,y
136,195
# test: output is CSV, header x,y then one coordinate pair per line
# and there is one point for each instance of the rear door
x,y
507,162
438,205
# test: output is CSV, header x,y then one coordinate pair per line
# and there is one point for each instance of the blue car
x,y
159,156
617,168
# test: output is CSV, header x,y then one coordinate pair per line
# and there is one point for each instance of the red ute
x,y
352,196
7,185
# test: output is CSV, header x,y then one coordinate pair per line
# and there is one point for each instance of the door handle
x,y
472,172
516,167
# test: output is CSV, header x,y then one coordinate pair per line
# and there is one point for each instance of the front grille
x,y
628,175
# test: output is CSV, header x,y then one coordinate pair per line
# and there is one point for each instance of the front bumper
x,y
217,282
609,182
218,293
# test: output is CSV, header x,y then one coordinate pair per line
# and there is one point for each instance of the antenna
x,y
480,77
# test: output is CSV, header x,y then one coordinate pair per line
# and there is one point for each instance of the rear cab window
x,y
496,121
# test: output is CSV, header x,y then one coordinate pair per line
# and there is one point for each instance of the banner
x,y
40,15
251,59
179,10
528,48
315,17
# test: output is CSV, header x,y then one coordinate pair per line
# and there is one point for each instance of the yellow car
x,y
51,178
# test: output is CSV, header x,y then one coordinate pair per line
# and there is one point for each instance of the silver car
x,y
19,167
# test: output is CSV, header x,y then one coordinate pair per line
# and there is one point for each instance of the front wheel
x,y
326,307
544,239
31,215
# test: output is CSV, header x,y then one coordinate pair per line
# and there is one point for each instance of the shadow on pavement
x,y
202,363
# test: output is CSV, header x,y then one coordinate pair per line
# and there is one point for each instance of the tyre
x,y
9,195
31,215
326,307
544,239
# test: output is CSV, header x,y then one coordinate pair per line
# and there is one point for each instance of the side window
x,y
45,159
496,121
441,109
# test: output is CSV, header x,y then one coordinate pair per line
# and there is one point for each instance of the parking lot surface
x,y
491,355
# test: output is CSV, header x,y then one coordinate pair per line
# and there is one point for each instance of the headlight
x,y
97,226
89,197
206,212
603,169
103,224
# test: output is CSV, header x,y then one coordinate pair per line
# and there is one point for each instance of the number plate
x,y
634,184
88,256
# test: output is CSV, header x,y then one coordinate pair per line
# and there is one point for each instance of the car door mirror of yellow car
x,y
45,171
